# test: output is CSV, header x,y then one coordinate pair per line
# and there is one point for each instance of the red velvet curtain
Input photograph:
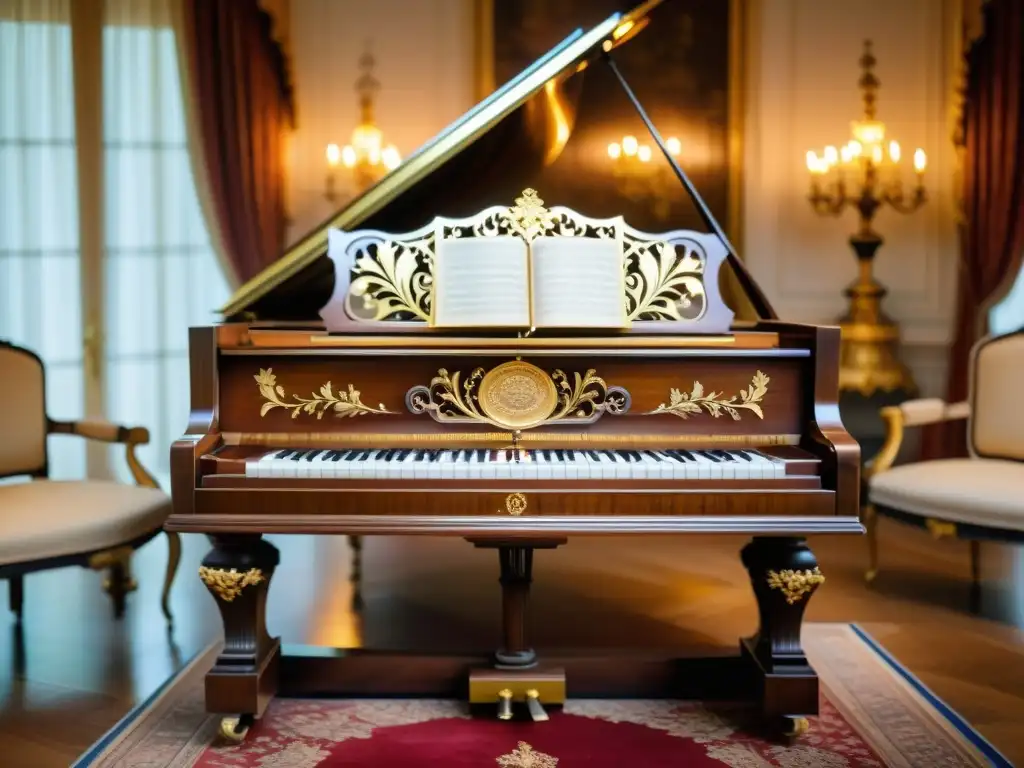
x,y
992,237
238,79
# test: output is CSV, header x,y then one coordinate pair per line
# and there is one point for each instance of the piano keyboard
x,y
517,464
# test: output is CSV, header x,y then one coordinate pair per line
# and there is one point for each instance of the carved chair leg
x,y
119,581
975,576
173,558
16,592
870,521
356,543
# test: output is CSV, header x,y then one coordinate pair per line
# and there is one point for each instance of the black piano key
x,y
424,456
709,455
681,456
560,455
593,455
654,455
635,455
742,454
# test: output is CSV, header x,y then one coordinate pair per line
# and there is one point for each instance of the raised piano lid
x,y
490,154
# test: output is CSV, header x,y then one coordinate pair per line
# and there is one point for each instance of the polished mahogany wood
x,y
231,424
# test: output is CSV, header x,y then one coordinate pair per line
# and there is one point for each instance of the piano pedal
x,y
505,704
536,708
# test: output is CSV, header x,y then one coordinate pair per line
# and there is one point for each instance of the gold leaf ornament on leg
x,y
344,404
228,584
686,404
795,584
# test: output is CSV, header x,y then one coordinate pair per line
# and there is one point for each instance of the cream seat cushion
x,y
986,492
50,518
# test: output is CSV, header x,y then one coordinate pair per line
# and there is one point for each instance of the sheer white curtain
x,y
40,285
161,272
158,272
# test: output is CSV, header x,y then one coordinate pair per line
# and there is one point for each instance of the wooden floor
x,y
73,671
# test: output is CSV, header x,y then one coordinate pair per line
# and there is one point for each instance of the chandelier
x,y
366,157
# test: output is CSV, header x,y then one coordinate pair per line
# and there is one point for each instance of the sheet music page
x,y
482,282
578,282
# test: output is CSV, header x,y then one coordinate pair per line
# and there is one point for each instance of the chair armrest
x,y
912,413
108,432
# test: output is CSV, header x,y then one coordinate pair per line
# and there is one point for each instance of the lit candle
x,y
630,145
643,154
333,155
876,154
920,161
614,150
391,157
894,151
673,145
348,156
831,156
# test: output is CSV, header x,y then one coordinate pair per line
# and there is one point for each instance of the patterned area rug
x,y
873,714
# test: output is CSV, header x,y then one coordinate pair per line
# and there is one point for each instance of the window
x,y
158,273
40,285
1008,314
161,273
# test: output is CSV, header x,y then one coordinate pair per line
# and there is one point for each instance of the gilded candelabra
x,y
866,175
640,179
366,157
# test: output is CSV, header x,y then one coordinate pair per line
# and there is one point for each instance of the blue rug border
x,y
979,742
88,757
965,729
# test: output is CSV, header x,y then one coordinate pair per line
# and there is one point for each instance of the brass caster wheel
x,y
234,729
794,727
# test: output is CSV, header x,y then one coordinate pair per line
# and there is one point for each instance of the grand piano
x,y
327,403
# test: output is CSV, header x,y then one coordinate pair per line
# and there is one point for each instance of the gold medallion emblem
x,y
517,395
515,503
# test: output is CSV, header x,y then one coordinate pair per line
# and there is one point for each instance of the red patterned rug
x,y
873,714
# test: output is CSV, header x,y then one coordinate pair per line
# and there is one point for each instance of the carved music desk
x,y
513,376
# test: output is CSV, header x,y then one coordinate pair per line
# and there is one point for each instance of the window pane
x,y
1008,315
40,288
162,275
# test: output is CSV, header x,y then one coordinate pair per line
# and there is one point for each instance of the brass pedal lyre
x,y
533,704
505,704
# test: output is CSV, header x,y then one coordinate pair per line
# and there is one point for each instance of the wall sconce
x,y
638,177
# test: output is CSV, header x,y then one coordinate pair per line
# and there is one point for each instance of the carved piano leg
x,y
516,676
243,680
784,574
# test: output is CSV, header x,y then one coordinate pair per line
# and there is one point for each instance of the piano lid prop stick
x,y
702,207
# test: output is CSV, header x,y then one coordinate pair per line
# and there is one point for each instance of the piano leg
x,y
516,675
356,575
784,574
243,680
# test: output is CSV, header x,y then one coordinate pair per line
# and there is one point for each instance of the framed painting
x,y
685,68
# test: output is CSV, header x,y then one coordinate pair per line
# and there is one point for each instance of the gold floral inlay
x,y
344,404
517,395
228,584
795,584
686,404
525,756
528,217
515,504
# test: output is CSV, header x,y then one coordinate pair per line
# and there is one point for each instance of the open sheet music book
x,y
550,282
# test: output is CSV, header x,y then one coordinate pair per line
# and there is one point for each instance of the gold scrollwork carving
x,y
662,284
517,395
228,584
515,503
394,279
795,584
346,404
528,217
686,404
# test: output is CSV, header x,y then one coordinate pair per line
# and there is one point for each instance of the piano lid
x,y
485,157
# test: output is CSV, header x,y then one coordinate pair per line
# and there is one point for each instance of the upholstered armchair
x,y
51,524
976,498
